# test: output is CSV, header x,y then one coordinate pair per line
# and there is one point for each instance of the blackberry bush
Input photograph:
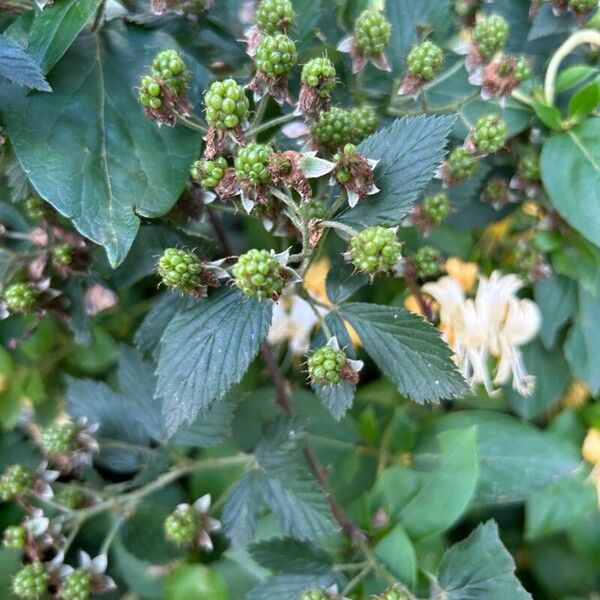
x,y
31,581
77,585
363,122
436,207
314,595
461,163
428,262
334,129
319,73
258,274
182,526
208,173
375,250
58,439
15,481
170,69
489,134
15,537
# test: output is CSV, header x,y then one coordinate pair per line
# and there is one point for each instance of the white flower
x,y
293,322
493,325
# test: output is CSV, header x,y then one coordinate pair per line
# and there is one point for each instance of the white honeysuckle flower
x,y
493,325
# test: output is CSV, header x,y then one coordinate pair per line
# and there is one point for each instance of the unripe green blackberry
x,y
171,70
182,526
490,35
62,255
69,497
583,6
31,581
425,60
276,55
392,594
333,129
314,595
461,163
77,585
180,269
226,104
151,93
208,173
529,168
496,191
523,70
275,15
427,261
436,207
15,481
20,297
364,121
325,365
315,209
251,164
319,72
489,134
372,32
15,537
375,250
35,208
58,439
258,274
342,172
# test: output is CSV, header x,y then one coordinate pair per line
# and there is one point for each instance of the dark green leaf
x,y
407,350
515,458
16,66
585,100
336,398
480,567
409,152
556,298
574,189
205,350
287,555
396,552
55,28
573,76
343,281
210,428
129,167
548,115
241,508
288,587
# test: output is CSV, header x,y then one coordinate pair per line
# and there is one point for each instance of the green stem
x,y
340,226
319,316
190,124
255,130
585,36
522,97
357,579
110,535
99,15
259,113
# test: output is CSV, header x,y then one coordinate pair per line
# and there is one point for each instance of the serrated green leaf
x,y
242,507
343,281
287,587
336,398
55,28
515,458
210,428
16,66
130,167
408,351
205,350
287,555
574,189
409,152
480,567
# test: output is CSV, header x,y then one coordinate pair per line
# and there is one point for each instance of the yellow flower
x,y
463,272
577,395
590,450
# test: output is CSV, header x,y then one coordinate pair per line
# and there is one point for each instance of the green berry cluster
x,y
226,104
372,32
342,174
333,129
436,207
258,274
489,134
529,167
35,208
58,439
523,70
208,173
182,525
392,593
20,297
169,68
375,250
69,497
461,163
62,255
425,60
315,209
325,365
15,537
77,585
31,581
490,35
275,15
251,164
151,92
583,6
496,190
319,72
276,55
15,481
427,261
363,121
314,595
180,269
